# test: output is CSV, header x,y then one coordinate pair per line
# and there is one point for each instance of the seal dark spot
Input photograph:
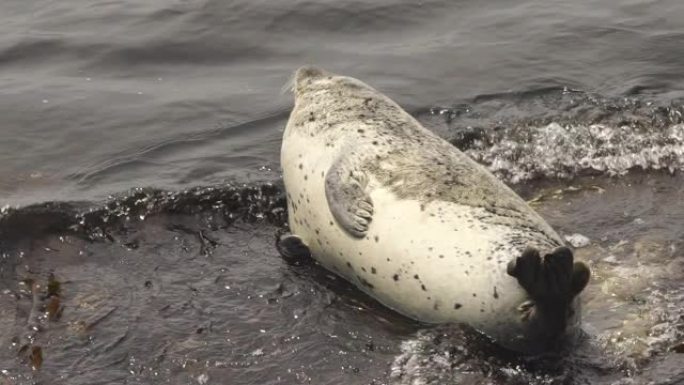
x,y
457,306
375,143
363,269
416,276
349,265
423,287
376,238
441,256
317,231
365,283
306,177
301,166
395,277
373,271
435,306
474,295
360,131
496,295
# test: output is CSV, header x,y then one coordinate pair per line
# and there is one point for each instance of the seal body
x,y
416,224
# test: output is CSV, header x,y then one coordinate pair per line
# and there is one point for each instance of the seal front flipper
x,y
553,279
348,199
292,248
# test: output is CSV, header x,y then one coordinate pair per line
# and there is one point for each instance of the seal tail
x,y
552,280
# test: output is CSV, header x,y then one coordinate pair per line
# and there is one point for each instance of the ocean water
x,y
141,195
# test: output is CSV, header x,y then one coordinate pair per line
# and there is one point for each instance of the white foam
x,y
564,151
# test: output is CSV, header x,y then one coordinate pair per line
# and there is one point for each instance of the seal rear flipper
x,y
580,277
348,200
552,279
292,248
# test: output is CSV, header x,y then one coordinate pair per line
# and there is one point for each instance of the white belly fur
x,y
456,282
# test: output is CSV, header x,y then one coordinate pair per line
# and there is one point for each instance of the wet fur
x,y
426,191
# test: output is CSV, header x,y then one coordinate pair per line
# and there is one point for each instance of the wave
x,y
96,222
562,133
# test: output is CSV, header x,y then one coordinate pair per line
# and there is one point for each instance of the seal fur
x,y
415,223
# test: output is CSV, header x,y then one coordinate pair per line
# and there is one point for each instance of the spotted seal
x,y
409,219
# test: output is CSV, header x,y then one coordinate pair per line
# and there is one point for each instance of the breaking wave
x,y
561,133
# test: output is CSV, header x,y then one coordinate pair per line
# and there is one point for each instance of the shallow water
x,y
189,288
137,236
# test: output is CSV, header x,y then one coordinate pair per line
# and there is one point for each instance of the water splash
x,y
95,221
556,151
562,133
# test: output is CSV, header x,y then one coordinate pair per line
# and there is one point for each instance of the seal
x,y
415,223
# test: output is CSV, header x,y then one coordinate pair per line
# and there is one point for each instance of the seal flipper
x,y
348,200
551,280
580,277
292,248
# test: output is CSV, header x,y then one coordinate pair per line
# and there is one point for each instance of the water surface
x,y
139,168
